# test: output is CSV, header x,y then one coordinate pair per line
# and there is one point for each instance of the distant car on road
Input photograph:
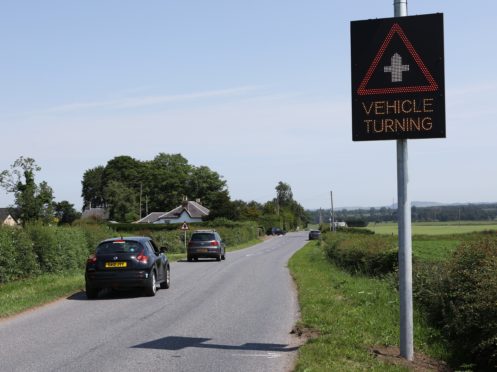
x,y
205,244
276,231
314,235
127,263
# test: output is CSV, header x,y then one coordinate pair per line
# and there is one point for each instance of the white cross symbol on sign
x,y
396,68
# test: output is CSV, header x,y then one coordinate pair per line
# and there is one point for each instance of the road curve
x,y
233,315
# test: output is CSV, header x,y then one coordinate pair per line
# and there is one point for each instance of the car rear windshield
x,y
120,246
203,237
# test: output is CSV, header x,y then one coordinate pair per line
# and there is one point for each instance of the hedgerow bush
x,y
461,298
72,245
45,246
173,240
38,248
232,233
17,258
366,254
95,233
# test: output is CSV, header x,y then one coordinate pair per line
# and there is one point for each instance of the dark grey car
x,y
206,244
314,235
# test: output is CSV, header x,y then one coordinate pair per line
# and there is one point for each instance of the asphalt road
x,y
233,315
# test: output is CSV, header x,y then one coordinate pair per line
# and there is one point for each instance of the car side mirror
x,y
163,249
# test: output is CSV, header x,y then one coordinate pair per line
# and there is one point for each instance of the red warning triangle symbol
x,y
430,87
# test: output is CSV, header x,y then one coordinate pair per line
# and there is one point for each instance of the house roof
x,y
4,213
151,217
194,210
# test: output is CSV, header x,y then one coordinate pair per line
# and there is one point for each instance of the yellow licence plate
x,y
115,264
203,250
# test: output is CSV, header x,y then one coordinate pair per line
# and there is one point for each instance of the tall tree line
x,y
127,186
463,212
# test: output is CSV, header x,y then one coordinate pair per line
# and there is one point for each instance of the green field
x,y
436,228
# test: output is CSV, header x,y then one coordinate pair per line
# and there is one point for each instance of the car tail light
x,y
142,258
215,243
92,259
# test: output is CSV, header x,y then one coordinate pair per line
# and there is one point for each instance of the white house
x,y
6,218
188,211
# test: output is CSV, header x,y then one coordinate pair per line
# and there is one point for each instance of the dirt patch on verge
x,y
304,334
421,362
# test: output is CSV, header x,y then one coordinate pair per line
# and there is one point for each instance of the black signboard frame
x,y
398,85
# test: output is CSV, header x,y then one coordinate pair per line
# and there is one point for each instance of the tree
x,y
65,212
284,195
167,177
208,186
35,202
122,202
93,188
164,181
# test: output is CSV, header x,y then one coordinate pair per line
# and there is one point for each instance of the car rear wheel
x,y
189,258
151,288
166,283
91,292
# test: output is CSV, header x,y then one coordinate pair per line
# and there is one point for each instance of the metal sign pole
x,y
405,240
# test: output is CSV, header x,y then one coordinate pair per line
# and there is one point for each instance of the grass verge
x,y
21,295
25,294
352,315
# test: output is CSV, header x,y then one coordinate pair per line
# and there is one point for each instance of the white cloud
x,y
135,102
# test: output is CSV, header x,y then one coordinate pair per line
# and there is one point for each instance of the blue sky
x,y
259,91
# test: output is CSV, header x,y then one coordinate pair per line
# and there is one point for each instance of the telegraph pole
x,y
141,191
332,213
405,239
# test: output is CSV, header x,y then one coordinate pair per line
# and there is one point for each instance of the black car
x,y
206,244
127,263
276,231
314,234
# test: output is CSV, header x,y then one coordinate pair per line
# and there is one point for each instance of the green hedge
x,y
35,249
17,257
366,254
460,297
233,233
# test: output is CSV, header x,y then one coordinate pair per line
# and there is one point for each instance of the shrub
x,y
173,240
94,234
353,230
232,233
356,223
470,302
17,259
429,285
58,249
460,297
72,245
45,246
366,254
